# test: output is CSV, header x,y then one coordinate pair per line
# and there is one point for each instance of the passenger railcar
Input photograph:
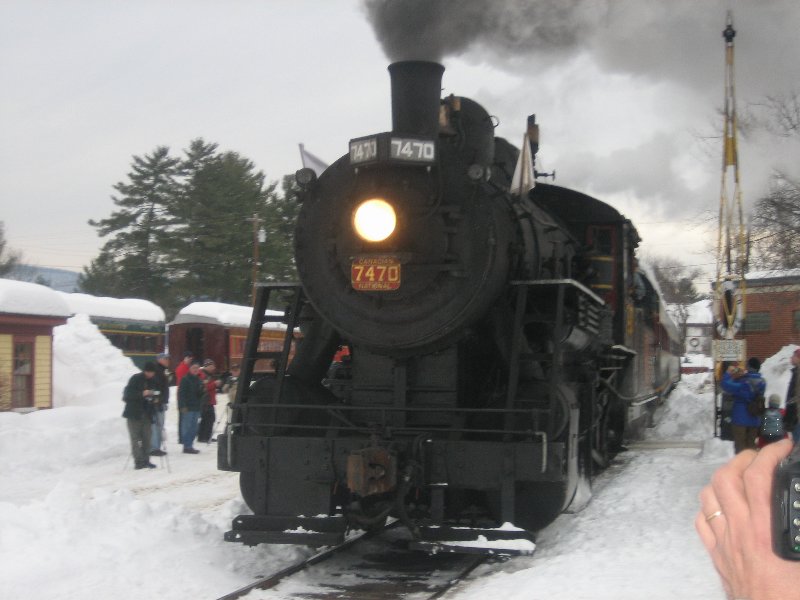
x,y
133,325
218,331
503,343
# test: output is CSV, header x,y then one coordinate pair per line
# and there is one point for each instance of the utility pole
x,y
259,236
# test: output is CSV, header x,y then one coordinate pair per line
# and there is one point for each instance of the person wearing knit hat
x,y
790,421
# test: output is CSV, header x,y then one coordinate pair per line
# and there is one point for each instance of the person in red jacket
x,y
209,416
180,371
183,366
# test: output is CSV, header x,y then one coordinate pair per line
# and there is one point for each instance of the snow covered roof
x,y
23,298
218,313
128,309
774,274
697,313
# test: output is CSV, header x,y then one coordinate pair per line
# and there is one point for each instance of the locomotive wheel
x,y
247,485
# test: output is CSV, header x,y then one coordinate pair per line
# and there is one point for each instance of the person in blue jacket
x,y
745,387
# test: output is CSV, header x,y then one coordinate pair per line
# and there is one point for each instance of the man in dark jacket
x,y
138,397
161,380
191,397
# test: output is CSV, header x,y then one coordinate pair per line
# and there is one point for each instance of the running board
x,y
470,540
304,531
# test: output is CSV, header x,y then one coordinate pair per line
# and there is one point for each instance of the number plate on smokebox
x,y
375,273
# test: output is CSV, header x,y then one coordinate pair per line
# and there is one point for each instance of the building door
x,y
22,373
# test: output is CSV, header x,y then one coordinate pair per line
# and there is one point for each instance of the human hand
x,y
735,371
734,524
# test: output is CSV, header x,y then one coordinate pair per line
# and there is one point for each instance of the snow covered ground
x,y
77,521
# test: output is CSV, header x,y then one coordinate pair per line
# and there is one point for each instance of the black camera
x,y
786,507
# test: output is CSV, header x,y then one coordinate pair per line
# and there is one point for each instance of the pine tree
x,y
184,230
214,238
280,218
140,230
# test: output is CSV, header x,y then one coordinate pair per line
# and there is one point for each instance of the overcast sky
x,y
625,91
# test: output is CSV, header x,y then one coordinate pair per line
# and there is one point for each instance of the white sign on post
x,y
729,350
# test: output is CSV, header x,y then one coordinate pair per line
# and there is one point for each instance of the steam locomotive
x,y
503,343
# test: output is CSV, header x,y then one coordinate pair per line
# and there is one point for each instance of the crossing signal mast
x,y
729,288
731,238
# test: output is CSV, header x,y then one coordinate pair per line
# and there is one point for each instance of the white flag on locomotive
x,y
312,162
523,180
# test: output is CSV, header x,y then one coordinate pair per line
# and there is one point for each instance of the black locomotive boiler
x,y
502,343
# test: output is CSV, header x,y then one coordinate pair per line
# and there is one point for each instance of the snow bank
x,y
113,544
87,368
688,412
776,371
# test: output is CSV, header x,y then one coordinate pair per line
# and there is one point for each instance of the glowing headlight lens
x,y
374,220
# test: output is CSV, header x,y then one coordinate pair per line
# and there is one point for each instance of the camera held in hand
x,y
786,507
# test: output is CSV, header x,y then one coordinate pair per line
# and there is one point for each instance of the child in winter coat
x,y
772,423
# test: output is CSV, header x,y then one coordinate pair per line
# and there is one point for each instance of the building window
x,y
755,322
797,320
22,374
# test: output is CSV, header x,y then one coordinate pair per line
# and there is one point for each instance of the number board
x,y
412,150
388,148
729,350
363,150
375,273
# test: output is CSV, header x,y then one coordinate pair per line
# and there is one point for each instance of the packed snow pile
x,y
776,371
87,369
688,412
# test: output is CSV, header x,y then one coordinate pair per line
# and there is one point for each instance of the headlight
x,y
374,220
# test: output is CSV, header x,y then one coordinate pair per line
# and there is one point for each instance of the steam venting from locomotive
x,y
434,29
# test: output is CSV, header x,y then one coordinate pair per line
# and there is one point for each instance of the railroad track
x,y
366,568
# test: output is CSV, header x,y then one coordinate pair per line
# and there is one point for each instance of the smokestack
x,y
416,92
